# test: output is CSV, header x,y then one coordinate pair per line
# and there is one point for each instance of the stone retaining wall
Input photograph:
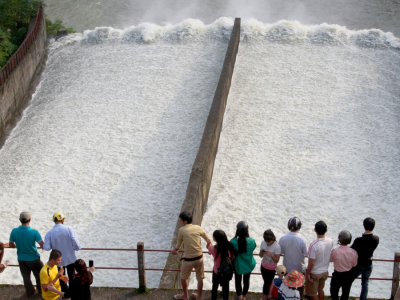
x,y
202,170
14,92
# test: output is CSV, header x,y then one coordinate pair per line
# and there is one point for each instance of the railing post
x,y
396,273
141,267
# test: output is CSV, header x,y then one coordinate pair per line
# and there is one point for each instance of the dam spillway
x,y
114,127
110,137
310,130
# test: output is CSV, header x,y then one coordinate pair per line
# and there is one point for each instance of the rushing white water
x,y
311,129
109,139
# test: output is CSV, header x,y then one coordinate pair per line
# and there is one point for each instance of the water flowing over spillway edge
x,y
94,157
280,32
310,129
109,139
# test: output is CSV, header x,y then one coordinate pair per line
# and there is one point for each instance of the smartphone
x,y
90,263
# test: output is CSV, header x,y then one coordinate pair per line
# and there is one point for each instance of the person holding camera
x,y
79,286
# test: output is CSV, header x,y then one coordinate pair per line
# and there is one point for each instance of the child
x,y
277,282
223,251
5,265
288,289
270,252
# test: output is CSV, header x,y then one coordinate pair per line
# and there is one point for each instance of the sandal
x,y
180,297
194,296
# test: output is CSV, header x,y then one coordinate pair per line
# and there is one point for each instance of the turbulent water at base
x,y
109,139
311,129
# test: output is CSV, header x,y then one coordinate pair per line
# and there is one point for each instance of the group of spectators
x,y
234,257
296,279
51,282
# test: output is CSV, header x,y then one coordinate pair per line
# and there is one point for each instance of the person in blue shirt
x,y
63,238
24,238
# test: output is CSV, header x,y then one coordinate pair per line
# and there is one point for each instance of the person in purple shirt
x,y
63,238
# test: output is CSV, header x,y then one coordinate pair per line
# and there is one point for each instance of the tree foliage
x,y
14,23
53,27
6,47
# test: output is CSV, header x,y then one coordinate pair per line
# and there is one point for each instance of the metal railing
x,y
13,62
142,269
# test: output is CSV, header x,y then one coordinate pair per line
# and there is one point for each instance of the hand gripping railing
x,y
142,269
22,50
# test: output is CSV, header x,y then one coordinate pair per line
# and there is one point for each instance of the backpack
x,y
274,287
225,270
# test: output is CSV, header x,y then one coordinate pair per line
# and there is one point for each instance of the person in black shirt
x,y
79,287
365,247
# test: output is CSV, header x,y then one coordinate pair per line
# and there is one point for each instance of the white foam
x,y
189,29
311,130
110,138
326,34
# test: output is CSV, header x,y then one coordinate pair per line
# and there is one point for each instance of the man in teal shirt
x,y
24,238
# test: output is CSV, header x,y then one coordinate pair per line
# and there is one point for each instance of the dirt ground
x,y
17,292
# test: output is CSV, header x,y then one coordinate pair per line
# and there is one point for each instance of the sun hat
x,y
281,270
294,279
58,216
24,217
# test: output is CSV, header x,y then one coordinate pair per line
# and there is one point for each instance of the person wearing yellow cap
x,y
63,238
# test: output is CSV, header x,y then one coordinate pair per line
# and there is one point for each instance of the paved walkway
x,y
17,292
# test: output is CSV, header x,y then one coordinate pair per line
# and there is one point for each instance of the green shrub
x,y
53,27
14,23
7,48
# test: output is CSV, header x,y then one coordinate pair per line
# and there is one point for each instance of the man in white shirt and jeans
x,y
319,254
294,249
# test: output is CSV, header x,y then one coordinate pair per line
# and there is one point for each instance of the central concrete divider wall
x,y
202,170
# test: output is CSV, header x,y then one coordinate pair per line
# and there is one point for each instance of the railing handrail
x,y
15,59
205,271
163,250
142,269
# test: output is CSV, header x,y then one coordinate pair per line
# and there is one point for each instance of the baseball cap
x,y
24,217
58,216
281,270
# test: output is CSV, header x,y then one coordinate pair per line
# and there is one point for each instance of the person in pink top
x,y
270,252
223,252
344,260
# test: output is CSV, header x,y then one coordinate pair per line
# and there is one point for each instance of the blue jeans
x,y
365,273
